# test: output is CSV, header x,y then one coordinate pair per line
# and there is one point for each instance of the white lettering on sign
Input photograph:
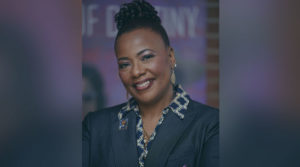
x,y
111,29
192,16
88,19
178,21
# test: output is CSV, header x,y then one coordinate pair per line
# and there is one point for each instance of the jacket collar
x,y
178,105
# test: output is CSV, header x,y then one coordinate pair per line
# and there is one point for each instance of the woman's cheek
x,y
123,77
159,65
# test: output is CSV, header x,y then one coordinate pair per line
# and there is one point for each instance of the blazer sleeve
x,y
210,153
86,137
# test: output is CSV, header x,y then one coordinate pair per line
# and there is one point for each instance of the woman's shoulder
x,y
204,113
105,113
194,105
204,118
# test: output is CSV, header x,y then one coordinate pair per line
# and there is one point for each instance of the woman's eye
x,y
123,65
146,57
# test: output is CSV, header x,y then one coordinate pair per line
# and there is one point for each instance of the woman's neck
x,y
154,110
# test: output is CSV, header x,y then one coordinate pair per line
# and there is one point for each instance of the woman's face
x,y
145,65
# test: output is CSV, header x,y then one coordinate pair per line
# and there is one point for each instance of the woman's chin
x,y
144,100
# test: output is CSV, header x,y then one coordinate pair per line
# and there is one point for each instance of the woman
x,y
160,125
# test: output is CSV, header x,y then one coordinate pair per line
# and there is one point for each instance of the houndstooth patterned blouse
x,y
178,105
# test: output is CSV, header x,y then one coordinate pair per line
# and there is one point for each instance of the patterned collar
x,y
178,105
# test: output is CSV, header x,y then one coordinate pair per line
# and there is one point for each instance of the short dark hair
x,y
139,14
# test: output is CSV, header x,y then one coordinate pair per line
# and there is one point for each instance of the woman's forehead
x,y
139,39
145,34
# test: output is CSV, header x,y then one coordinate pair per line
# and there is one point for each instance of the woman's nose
x,y
137,70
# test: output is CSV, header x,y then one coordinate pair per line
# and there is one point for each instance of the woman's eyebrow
x,y
123,58
144,50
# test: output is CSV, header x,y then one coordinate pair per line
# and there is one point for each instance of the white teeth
x,y
142,85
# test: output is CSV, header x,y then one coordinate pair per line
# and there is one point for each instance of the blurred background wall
x,y
212,52
40,83
192,26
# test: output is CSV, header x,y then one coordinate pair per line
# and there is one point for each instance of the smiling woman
x,y
145,67
160,125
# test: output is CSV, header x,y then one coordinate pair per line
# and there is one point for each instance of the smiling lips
x,y
143,85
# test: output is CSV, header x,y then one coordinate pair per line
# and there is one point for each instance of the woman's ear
x,y
172,57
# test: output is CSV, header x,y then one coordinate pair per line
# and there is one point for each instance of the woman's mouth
x,y
143,85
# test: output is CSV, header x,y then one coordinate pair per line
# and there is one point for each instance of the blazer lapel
x,y
124,141
169,133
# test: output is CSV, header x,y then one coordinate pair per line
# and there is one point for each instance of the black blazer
x,y
191,142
